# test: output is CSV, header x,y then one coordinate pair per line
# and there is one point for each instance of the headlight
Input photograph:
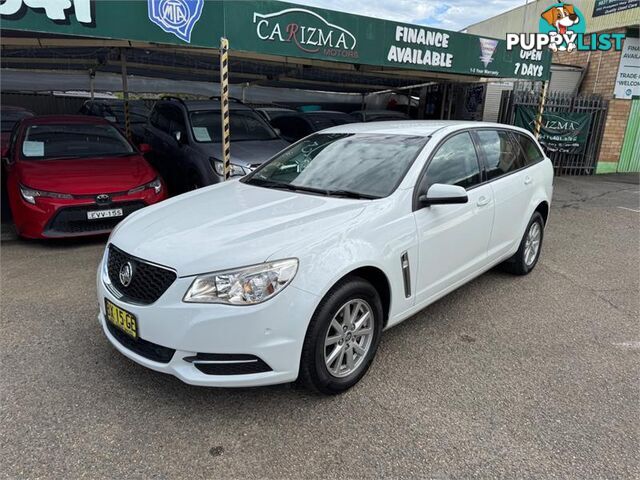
x,y
155,184
244,286
236,170
29,194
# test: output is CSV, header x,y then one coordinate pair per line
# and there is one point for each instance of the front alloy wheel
x,y
342,337
348,338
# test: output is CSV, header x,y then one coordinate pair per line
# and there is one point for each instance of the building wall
x,y
601,68
601,71
526,18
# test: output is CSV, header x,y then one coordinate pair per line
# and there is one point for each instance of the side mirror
x,y
179,137
441,194
144,148
278,131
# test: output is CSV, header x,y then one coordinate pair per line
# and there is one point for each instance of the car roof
x,y
421,128
276,109
57,119
196,105
393,113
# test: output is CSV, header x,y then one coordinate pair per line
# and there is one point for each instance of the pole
x,y
92,76
125,93
224,110
543,98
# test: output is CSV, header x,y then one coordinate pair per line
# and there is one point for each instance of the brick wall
x,y
600,78
614,129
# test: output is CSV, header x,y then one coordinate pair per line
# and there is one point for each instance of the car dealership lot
x,y
508,376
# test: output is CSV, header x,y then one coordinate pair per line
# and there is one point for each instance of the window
x,y
363,164
531,151
292,128
74,140
501,154
244,125
160,118
455,163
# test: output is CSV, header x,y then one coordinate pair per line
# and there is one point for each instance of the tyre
x,y
342,337
528,253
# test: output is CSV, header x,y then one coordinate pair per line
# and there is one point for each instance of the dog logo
x,y
126,274
562,20
176,16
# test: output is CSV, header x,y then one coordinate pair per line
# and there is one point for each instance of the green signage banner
x,y
279,28
562,132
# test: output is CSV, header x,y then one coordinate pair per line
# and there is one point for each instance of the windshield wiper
x,y
349,194
285,186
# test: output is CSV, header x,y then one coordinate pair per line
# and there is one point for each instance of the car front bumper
x,y
272,331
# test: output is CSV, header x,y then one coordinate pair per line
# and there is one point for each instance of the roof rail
x,y
231,99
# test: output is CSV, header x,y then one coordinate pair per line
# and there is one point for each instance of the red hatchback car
x,y
74,175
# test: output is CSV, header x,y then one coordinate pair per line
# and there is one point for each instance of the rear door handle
x,y
482,201
528,180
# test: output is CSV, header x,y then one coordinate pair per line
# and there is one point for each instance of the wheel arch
x,y
380,282
543,209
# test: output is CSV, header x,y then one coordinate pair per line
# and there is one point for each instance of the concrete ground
x,y
511,377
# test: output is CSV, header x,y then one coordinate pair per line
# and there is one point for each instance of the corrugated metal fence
x,y
43,104
583,163
630,155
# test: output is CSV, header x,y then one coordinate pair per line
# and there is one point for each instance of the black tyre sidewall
x,y
313,366
522,266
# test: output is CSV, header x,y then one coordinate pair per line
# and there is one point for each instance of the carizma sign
x,y
307,30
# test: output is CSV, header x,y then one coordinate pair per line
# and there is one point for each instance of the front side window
x,y
42,142
361,164
501,154
244,125
455,163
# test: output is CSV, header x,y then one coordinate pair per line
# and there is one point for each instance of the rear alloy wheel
x,y
342,337
528,253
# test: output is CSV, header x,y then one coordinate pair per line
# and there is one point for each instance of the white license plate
x,y
98,214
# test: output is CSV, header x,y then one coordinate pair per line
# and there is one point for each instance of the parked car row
x,y
72,175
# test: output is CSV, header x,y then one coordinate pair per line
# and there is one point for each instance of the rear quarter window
x,y
531,151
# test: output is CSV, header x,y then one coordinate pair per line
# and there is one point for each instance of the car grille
x,y
145,349
73,220
148,281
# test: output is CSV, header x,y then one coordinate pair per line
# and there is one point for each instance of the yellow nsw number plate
x,y
121,319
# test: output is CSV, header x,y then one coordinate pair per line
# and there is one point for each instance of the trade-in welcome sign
x,y
561,132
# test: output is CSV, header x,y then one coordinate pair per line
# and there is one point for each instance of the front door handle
x,y
528,180
482,201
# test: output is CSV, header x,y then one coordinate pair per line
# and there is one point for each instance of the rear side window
x,y
500,152
455,163
532,153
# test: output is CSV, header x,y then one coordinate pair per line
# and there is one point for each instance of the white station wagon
x,y
294,271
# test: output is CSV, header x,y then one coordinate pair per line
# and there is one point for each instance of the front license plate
x,y
98,214
121,319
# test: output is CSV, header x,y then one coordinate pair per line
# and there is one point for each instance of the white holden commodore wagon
x,y
294,271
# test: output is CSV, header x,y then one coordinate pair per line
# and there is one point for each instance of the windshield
x,y
361,164
73,141
244,124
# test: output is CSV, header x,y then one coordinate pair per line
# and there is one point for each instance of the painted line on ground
x,y
630,209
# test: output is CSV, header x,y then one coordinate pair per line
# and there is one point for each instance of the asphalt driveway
x,y
508,377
